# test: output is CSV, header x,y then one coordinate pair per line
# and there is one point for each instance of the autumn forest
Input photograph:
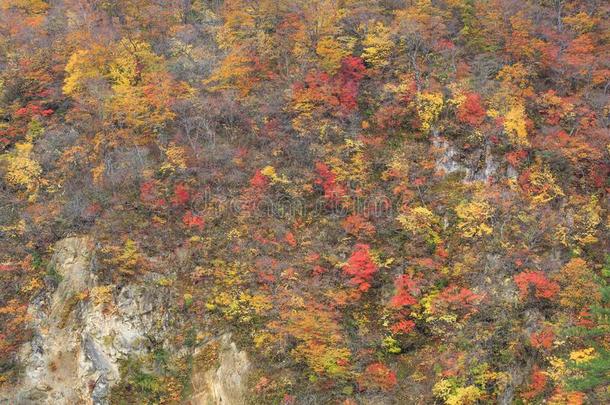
x,y
296,202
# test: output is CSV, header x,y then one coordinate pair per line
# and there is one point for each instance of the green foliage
x,y
139,384
592,369
594,373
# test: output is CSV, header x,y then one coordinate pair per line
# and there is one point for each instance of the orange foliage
x,y
405,326
561,397
537,385
538,282
290,239
377,376
457,299
358,226
471,111
193,221
579,285
542,339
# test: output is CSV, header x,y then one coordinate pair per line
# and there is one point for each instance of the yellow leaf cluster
x,y
420,221
29,6
332,51
464,396
83,66
583,356
579,287
240,306
101,295
271,174
586,216
15,229
473,218
239,23
429,107
126,258
516,80
452,395
33,284
543,187
230,295
354,166
581,22
21,170
236,71
320,341
175,158
97,173
457,94
557,369
515,125
377,45
131,82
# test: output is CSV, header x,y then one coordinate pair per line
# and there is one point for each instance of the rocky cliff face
x,y
82,331
225,383
73,355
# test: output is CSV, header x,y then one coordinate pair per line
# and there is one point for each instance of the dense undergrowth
x,y
405,201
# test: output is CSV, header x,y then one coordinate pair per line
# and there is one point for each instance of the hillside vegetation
x,y
382,202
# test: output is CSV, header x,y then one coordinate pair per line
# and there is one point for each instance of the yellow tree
x,y
377,45
579,286
474,217
429,106
22,171
321,344
332,51
539,184
127,84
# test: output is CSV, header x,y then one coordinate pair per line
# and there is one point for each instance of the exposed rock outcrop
x,y
73,357
79,339
479,165
226,382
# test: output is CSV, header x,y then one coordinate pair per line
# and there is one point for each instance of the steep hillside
x,y
304,202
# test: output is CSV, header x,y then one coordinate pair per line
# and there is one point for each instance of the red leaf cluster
x,y
348,81
181,194
406,287
333,192
539,282
33,110
193,221
405,326
361,267
542,339
357,225
290,239
378,376
537,385
259,181
454,298
517,157
339,91
149,194
471,111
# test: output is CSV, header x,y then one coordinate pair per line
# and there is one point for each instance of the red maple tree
x,y
361,267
